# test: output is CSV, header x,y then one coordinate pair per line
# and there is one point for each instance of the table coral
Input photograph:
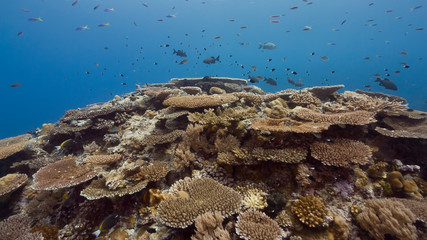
x,y
191,101
12,145
11,182
255,225
359,117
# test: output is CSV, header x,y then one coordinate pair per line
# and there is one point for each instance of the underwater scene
x,y
213,120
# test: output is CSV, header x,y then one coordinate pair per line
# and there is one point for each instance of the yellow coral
x,y
310,210
253,197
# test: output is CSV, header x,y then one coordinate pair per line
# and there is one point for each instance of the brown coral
x,y
310,210
201,195
305,99
63,173
255,225
12,182
17,227
286,155
12,145
288,125
97,189
385,216
352,118
341,152
403,127
191,101
102,159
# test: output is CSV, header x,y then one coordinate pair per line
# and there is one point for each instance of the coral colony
x,y
215,158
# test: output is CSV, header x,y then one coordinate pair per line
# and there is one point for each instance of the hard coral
x,y
351,118
209,226
191,101
310,210
386,216
11,182
341,152
255,225
63,173
288,125
17,227
202,195
12,145
102,159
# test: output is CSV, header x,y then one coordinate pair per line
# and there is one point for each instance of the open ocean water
x,y
48,67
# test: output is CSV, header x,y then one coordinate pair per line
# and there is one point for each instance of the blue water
x,y
51,60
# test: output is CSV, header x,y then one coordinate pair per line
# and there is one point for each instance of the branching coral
x,y
11,182
12,145
286,155
341,152
255,225
102,159
310,210
17,227
198,196
209,226
385,216
250,98
288,125
161,138
63,173
305,99
191,101
183,156
253,197
352,118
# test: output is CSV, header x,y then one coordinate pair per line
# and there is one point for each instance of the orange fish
x,y
397,72
275,16
183,61
243,27
254,68
324,58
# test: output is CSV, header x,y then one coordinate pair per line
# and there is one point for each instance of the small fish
x,y
35,19
270,81
312,54
15,85
397,72
291,81
25,10
82,28
114,129
404,53
217,37
267,45
345,20
171,16
419,29
253,79
231,20
293,8
275,16
159,20
20,34
108,9
179,53
387,83
307,28
244,27
332,44
145,5
74,3
367,86
183,61
324,58
398,17
136,25
210,60
66,145
335,29
254,68
275,21
294,73
415,8
104,24
389,11
366,58
299,84
370,4
284,59
96,7
106,224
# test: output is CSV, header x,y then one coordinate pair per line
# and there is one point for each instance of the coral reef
x,y
225,156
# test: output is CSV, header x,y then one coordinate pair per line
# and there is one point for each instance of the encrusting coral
x,y
386,216
255,225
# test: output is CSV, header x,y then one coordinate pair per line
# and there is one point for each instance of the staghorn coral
x,y
201,195
183,156
12,145
17,227
288,125
310,210
284,219
191,101
255,225
386,216
286,155
61,174
209,226
341,152
11,182
359,117
102,159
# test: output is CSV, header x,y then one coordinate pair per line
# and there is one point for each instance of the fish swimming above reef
x,y
253,79
387,83
106,224
179,53
270,81
210,60
267,45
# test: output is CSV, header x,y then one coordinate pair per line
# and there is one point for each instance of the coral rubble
x,y
216,158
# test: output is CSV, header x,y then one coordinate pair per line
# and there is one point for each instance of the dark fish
x,y
109,222
389,11
179,53
210,60
253,79
74,3
270,81
25,10
293,8
299,84
370,4
367,86
145,5
15,85
96,7
291,81
294,73
419,29
324,58
274,21
345,20
387,83
20,34
415,8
